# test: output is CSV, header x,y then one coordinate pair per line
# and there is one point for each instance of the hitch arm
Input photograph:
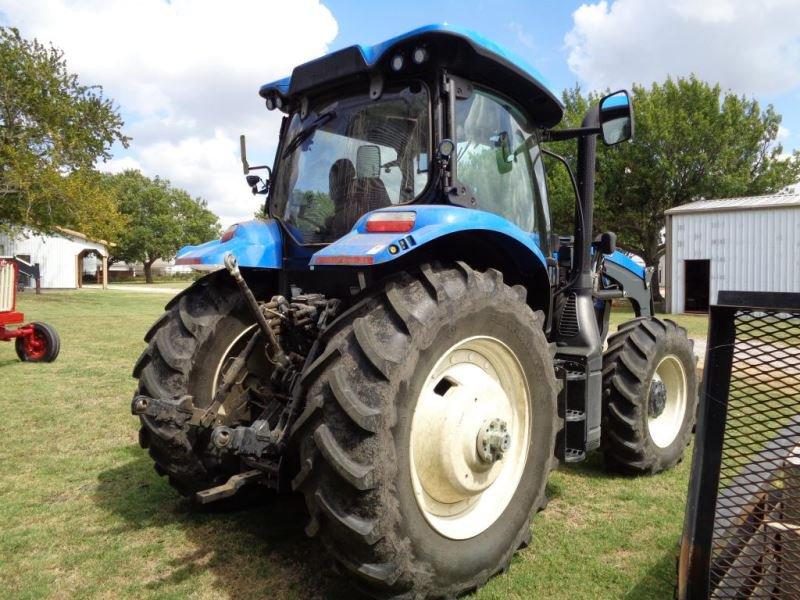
x,y
277,353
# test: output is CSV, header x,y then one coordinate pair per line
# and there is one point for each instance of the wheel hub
x,y
493,440
667,402
658,398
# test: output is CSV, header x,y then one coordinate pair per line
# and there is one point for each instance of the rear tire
x,y
357,472
44,347
186,347
650,395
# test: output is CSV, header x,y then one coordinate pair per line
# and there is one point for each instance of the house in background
x,y
123,271
743,244
67,259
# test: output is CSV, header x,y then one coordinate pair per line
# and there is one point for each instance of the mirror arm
x,y
559,135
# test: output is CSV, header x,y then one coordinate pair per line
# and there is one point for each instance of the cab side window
x,y
494,161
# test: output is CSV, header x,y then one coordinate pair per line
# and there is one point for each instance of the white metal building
x,y
742,244
65,258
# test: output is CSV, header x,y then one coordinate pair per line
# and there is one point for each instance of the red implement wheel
x,y
42,345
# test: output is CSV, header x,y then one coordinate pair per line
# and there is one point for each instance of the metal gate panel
x,y
742,529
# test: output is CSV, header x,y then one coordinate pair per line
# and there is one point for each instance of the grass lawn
x,y
84,515
178,284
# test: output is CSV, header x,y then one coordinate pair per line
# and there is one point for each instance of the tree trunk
x,y
148,271
651,259
655,284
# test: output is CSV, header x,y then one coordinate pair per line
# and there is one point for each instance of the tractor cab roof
x,y
463,52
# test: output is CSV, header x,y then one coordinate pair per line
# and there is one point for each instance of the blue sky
x,y
185,73
534,30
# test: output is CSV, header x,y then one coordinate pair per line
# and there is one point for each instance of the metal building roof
x,y
743,203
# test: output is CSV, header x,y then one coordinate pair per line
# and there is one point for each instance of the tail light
x,y
229,233
391,222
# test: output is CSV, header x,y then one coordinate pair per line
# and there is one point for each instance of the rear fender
x,y
256,243
433,222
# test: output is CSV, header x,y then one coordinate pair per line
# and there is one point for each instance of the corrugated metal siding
x,y
56,255
750,250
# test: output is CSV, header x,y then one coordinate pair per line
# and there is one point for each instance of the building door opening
x,y
91,267
697,274
24,278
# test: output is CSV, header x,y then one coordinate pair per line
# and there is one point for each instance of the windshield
x,y
351,156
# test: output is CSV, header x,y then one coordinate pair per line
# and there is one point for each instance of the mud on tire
x,y
629,364
185,347
354,433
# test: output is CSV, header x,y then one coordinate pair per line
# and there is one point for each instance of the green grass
x,y
177,284
84,515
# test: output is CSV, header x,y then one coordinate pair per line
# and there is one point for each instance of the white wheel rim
x,y
477,381
226,355
666,424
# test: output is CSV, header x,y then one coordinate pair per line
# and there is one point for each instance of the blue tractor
x,y
401,338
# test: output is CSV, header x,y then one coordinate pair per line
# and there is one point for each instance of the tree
x,y
52,130
161,219
692,141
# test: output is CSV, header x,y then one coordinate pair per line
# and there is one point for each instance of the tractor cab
x,y
424,118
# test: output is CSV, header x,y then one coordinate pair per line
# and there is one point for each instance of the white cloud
x,y
211,162
524,38
186,75
751,47
118,165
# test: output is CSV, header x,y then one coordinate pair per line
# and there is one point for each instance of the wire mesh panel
x,y
756,540
743,512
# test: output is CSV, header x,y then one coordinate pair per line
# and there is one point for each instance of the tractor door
x,y
500,165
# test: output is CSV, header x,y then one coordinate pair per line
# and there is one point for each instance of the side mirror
x,y
616,118
502,152
253,181
606,243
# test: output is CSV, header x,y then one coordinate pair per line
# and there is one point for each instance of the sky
x,y
185,73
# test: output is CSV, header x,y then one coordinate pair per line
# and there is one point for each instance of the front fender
x,y
256,243
633,279
360,248
626,262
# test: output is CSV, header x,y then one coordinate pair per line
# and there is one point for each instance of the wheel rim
x,y
666,401
238,343
470,435
35,346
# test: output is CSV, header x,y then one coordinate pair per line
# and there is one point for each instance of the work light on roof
x,y
397,62
419,56
271,103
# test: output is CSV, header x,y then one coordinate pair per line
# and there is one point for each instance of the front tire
x,y
367,450
43,346
650,395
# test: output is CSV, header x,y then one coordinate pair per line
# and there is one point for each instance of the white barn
x,y
742,244
64,258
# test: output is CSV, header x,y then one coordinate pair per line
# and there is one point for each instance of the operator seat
x,y
353,196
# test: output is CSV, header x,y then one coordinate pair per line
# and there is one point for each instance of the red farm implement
x,y
34,342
